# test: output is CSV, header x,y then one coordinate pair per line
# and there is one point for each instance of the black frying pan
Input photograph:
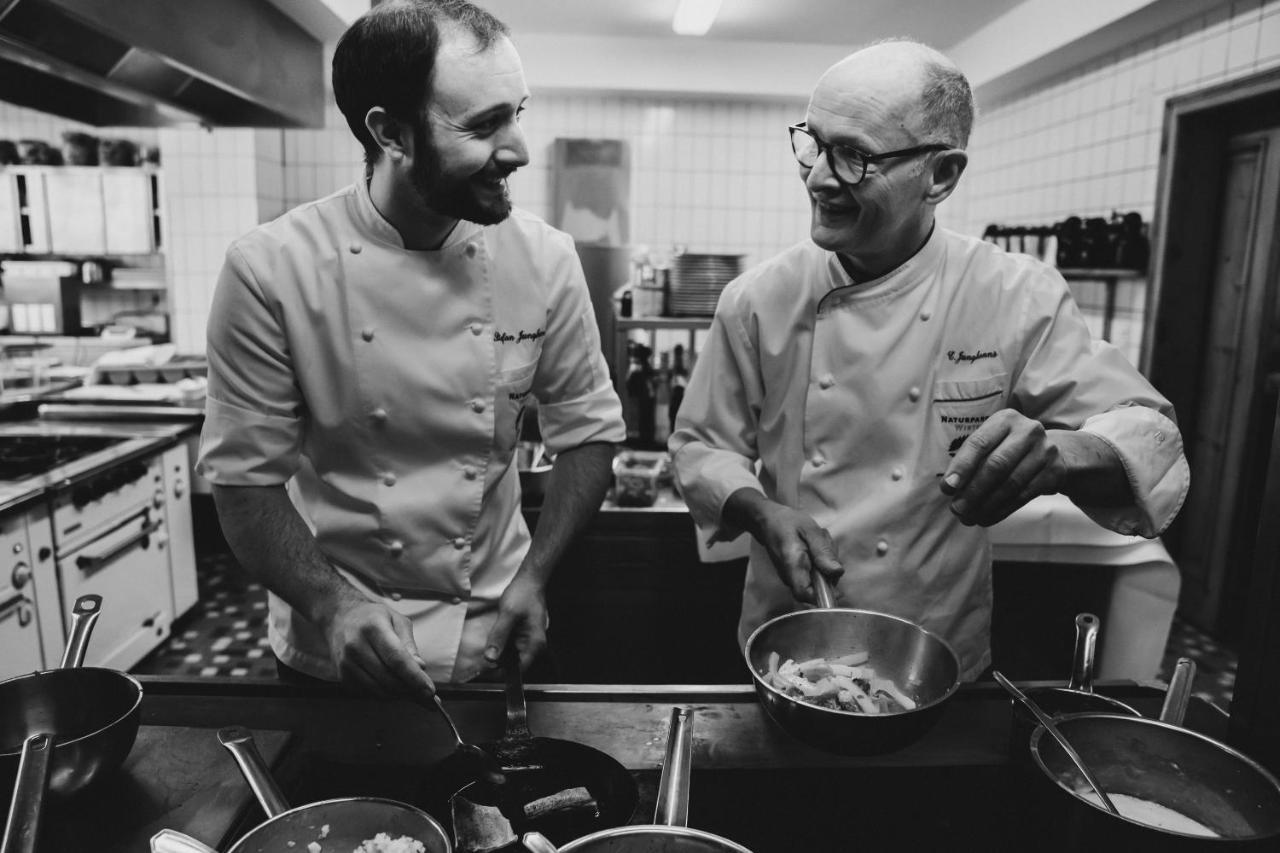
x,y
537,767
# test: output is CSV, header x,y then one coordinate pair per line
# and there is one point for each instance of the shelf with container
x,y
653,326
1111,279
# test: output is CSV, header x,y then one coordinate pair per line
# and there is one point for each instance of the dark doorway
x,y
1213,329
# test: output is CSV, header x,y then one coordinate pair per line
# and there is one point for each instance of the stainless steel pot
x,y
92,713
1160,762
340,824
670,832
1077,697
918,661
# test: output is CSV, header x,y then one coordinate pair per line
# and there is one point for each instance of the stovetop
x,y
23,456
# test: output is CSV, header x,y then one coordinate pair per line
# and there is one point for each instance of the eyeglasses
x,y
848,164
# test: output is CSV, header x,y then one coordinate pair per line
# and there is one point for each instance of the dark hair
x,y
947,103
387,59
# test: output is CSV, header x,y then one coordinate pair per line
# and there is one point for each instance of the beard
x,y
467,197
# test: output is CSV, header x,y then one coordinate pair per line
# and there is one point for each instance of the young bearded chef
x,y
901,386
370,358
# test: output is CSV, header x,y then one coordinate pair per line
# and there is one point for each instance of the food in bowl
x,y
384,843
844,683
1149,813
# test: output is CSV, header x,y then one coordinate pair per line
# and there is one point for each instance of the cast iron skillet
x,y
537,767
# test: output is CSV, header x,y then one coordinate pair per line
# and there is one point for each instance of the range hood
x,y
143,63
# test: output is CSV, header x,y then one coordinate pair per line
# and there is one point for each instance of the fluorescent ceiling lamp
x,y
694,17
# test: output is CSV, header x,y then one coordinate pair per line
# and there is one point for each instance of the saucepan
x,y
670,832
340,824
920,663
90,712
1176,789
1077,697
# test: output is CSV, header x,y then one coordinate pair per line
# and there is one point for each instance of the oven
x,y
110,539
104,523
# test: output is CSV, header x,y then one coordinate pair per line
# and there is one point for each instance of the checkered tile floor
x,y
225,635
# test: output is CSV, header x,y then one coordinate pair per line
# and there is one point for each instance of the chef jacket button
x,y
356,248
477,406
388,479
379,414
897,473
395,596
817,461
469,473
827,380
395,547
455,600
471,250
367,333
882,548
914,393
925,315
477,328
459,542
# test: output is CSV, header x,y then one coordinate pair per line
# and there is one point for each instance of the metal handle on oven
x,y
16,605
92,564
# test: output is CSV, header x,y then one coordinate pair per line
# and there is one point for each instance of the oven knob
x,y
21,574
81,496
44,553
158,500
17,547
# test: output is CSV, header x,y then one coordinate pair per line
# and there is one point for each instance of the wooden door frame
x,y
1193,140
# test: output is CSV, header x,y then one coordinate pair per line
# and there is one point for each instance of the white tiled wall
x,y
717,176
1088,142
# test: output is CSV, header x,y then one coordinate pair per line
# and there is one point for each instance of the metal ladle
x,y
1045,721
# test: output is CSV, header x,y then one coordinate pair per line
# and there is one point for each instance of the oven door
x,y
128,565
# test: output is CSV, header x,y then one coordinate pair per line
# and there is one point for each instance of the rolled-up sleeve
x,y
1073,381
713,446
576,401
252,431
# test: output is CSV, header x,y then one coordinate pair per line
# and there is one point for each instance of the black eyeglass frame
x,y
867,159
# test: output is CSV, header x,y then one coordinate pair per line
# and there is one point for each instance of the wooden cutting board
x,y
175,777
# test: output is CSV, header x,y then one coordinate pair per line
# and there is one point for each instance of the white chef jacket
x,y
386,387
852,398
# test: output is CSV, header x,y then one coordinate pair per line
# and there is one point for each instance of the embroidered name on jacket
x,y
956,356
521,335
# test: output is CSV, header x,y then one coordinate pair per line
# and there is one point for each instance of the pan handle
x,y
517,708
240,743
22,830
1086,648
83,616
673,788
822,587
1179,692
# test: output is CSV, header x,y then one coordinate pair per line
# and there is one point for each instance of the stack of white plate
x,y
696,282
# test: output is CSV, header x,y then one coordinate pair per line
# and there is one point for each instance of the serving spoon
x,y
1045,721
469,754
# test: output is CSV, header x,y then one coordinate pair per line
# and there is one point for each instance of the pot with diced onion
x,y
856,682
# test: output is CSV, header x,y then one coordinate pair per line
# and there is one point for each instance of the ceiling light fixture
x,y
694,17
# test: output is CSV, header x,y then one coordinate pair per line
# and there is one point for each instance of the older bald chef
x,y
899,385
370,358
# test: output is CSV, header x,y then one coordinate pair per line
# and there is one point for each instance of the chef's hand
x,y
795,542
522,621
372,647
1011,459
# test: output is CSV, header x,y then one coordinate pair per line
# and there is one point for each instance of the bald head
x,y
915,84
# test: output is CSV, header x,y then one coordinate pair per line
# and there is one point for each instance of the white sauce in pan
x,y
1152,814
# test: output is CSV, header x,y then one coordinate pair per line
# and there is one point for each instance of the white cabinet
x,y
80,210
20,650
27,645
77,222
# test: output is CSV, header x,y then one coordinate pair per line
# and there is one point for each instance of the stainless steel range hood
x,y
223,63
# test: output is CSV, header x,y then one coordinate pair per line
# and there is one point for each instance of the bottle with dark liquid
x,y
679,379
